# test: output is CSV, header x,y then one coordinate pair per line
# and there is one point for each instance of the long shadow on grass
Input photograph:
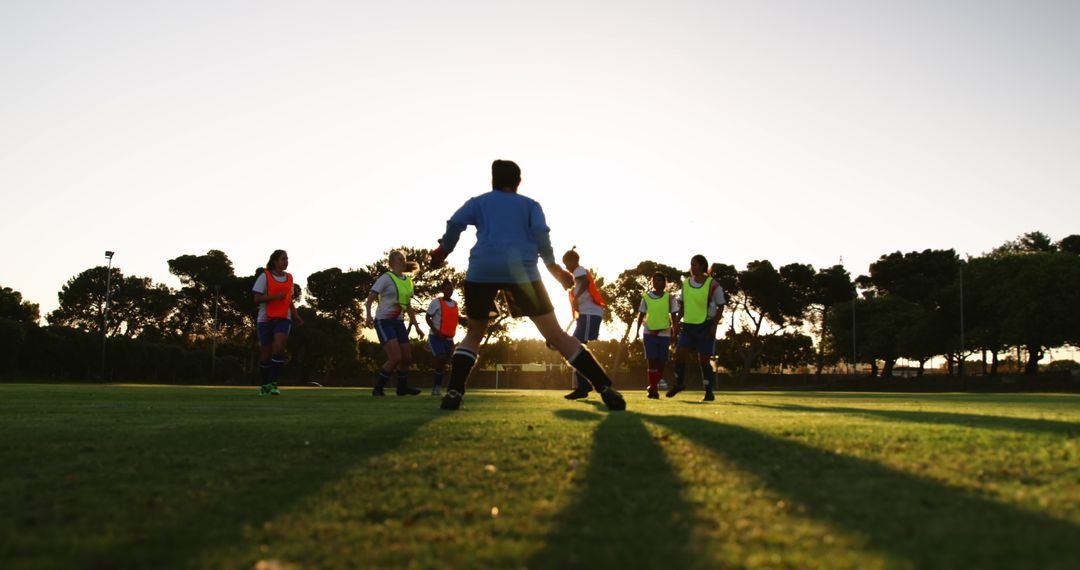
x,y
930,524
1057,427
186,496
952,397
629,512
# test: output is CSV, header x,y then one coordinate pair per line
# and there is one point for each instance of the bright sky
x,y
788,131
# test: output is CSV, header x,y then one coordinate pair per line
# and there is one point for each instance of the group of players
x,y
512,235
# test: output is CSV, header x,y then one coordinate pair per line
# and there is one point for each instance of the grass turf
x,y
182,477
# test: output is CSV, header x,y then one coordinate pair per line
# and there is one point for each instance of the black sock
x,y
264,372
276,364
582,383
460,366
383,378
680,373
402,379
584,363
708,376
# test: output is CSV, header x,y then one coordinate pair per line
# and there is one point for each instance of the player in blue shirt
x,y
511,233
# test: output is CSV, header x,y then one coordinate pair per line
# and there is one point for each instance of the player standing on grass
x,y
587,306
659,312
702,307
511,233
273,292
442,320
394,290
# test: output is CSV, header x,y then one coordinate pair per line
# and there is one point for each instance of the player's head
x,y
399,263
571,259
447,288
698,264
505,175
659,281
279,261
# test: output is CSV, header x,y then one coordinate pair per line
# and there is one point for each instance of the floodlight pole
x,y
213,345
960,364
105,313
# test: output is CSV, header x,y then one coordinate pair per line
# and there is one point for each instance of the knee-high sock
x,y
586,364
276,363
580,382
264,372
383,378
680,373
654,378
708,377
460,365
402,378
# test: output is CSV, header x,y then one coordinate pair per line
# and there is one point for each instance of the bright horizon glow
x,y
336,130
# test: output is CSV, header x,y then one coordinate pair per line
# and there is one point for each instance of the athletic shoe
x,y
436,391
274,390
264,390
709,397
613,399
407,391
675,390
654,394
578,394
378,392
663,384
452,400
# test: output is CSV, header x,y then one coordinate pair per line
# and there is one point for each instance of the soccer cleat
x,y
407,391
452,400
378,392
675,390
436,391
274,389
709,397
264,390
578,394
613,399
654,394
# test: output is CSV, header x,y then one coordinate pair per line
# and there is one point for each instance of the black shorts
x,y
528,299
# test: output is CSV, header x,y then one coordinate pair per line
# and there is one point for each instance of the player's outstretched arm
x,y
561,275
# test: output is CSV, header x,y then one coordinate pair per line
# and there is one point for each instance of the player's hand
x,y
438,257
562,276
368,322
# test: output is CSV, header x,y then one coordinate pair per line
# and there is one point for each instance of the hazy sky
x,y
789,131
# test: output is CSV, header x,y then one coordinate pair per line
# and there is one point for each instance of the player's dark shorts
x,y
391,330
656,347
701,338
268,329
440,345
588,327
529,299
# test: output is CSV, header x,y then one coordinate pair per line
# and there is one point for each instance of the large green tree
x,y
12,306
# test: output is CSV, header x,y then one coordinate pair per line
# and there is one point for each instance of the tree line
x,y
1020,298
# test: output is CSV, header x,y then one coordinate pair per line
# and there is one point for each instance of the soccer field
x,y
188,477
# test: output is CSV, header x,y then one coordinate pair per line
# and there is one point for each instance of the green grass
x,y
181,477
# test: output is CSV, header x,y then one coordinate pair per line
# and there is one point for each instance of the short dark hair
x,y
660,274
571,255
505,174
701,259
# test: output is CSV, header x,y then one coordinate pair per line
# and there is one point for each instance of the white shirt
x,y
435,310
260,288
388,299
673,308
718,299
585,303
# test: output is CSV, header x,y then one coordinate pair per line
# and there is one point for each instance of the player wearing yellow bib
x,y
702,307
659,312
394,290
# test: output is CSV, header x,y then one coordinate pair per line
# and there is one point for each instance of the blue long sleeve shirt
x,y
511,233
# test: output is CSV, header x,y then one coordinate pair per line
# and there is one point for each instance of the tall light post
x,y
105,313
960,369
213,345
